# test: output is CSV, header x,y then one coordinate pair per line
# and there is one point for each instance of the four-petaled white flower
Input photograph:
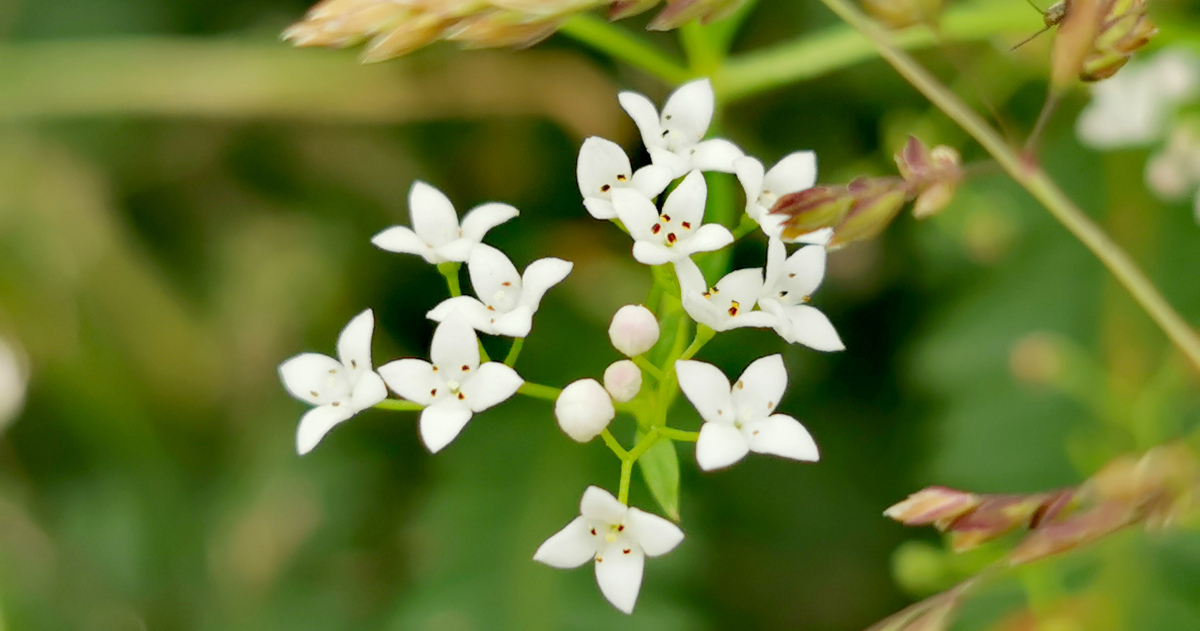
x,y
436,234
603,167
727,305
454,387
675,139
678,232
618,537
339,388
796,172
507,300
741,419
790,283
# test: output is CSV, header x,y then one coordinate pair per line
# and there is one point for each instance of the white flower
x,y
675,139
507,300
1134,106
796,172
436,235
454,387
1174,173
727,305
339,388
740,419
623,380
618,537
677,233
603,167
14,381
789,285
634,330
584,409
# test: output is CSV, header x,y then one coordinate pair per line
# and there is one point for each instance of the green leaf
x,y
660,469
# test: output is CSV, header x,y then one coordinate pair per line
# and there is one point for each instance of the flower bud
x,y
623,380
679,12
633,330
1124,29
933,505
874,204
934,175
584,409
813,209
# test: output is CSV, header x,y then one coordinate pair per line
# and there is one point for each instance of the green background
x,y
185,202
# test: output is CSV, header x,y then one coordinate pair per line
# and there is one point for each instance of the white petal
x,y
709,238
484,217
515,323
644,115
717,154
404,241
691,279
468,308
619,574
720,446
570,547
675,164
651,180
813,329
655,535
687,202
458,250
600,163
433,216
367,392
772,226
539,277
782,435
704,312
648,253
760,388
454,348
317,422
492,383
816,237
600,208
412,379
796,172
636,211
441,423
805,271
314,378
601,507
749,319
689,110
494,278
354,344
750,173
776,261
743,286
708,390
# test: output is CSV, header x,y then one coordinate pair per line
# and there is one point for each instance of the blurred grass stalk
x,y
247,79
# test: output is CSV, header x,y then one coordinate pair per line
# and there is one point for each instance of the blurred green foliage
x,y
184,203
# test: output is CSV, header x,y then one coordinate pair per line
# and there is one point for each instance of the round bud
x,y
623,380
584,409
633,330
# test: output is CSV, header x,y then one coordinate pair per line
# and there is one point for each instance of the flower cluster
x,y
669,230
393,28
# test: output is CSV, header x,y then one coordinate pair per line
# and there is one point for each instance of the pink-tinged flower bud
x,y
875,202
623,380
633,330
812,209
934,505
584,409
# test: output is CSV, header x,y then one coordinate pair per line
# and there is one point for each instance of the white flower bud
x,y
584,409
633,330
623,380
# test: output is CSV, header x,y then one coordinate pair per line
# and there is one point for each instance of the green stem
x,y
840,47
744,227
704,54
397,405
450,272
678,434
538,391
648,441
626,476
648,367
616,42
514,352
614,445
1026,172
704,335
